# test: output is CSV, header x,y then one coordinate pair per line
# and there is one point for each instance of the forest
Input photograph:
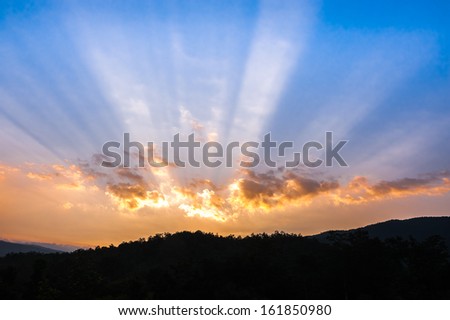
x,y
198,265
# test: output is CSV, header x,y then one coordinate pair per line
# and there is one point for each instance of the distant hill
x,y
55,246
10,247
417,228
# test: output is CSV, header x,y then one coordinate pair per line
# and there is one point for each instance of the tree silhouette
x,y
200,265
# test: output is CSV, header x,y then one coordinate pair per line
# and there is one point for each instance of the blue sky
x,y
370,67
76,74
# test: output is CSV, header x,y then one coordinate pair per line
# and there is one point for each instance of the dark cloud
x,y
130,174
275,188
410,184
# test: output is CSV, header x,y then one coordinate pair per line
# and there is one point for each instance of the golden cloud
x,y
359,190
249,191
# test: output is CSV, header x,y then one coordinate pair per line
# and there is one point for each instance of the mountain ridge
x,y
7,247
419,228
198,265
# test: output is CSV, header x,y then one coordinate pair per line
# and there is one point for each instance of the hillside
x,y
416,228
10,247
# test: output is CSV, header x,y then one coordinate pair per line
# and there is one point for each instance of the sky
x,y
77,74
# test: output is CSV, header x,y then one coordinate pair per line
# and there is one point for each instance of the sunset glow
x,y
76,75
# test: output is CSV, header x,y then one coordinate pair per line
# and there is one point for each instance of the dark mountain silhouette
x,y
57,247
197,265
11,247
416,228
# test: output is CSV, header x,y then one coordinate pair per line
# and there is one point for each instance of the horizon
x,y
373,79
64,247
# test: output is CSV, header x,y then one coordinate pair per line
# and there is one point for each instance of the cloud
x,y
39,176
6,171
359,190
136,196
130,175
251,191
269,190
67,205
84,201
131,189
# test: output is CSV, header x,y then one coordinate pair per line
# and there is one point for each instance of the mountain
x,y
10,247
55,246
416,228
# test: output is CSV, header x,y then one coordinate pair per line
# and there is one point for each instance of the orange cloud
x,y
91,204
249,191
359,190
272,190
135,196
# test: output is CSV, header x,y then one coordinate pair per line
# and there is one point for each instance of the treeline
x,y
200,265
